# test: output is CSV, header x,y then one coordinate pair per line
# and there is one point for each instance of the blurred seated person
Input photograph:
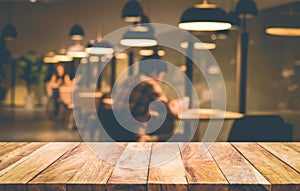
x,y
148,104
58,79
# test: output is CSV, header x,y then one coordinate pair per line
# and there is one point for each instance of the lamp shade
x,y
234,20
135,37
246,9
76,51
132,12
283,25
62,57
76,32
49,58
204,17
101,48
9,32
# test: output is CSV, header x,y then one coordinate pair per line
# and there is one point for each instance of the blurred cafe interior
x,y
61,59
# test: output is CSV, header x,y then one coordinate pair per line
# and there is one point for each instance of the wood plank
x,y
285,153
35,163
95,173
294,145
9,147
56,176
166,168
279,174
131,170
18,154
2,144
240,174
202,172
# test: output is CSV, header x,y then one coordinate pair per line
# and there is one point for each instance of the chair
x,y
260,128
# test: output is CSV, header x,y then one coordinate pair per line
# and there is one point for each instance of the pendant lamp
x,y
132,12
9,32
62,56
101,48
204,17
246,9
135,37
284,24
76,33
76,51
49,58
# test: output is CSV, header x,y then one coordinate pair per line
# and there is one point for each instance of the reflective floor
x,y
19,124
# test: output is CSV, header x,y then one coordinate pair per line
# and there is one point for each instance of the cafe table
x,y
201,166
198,115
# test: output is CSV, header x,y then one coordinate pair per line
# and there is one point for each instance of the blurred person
x,y
147,99
58,79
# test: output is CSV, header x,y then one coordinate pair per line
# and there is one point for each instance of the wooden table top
x,y
207,114
72,166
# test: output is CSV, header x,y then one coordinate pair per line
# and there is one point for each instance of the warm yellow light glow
x,y
50,60
94,59
77,54
199,45
121,55
184,45
76,51
138,42
205,26
281,31
63,58
133,19
161,52
100,50
204,46
146,52
84,61
76,37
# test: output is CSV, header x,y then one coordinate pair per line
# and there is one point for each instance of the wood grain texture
x,y
285,153
65,167
240,174
280,175
8,147
166,168
94,174
202,172
294,145
31,167
131,170
17,154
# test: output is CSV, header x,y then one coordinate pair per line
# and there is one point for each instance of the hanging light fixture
x,y
49,58
76,33
76,51
204,17
135,37
246,9
284,25
101,48
9,32
132,12
62,57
